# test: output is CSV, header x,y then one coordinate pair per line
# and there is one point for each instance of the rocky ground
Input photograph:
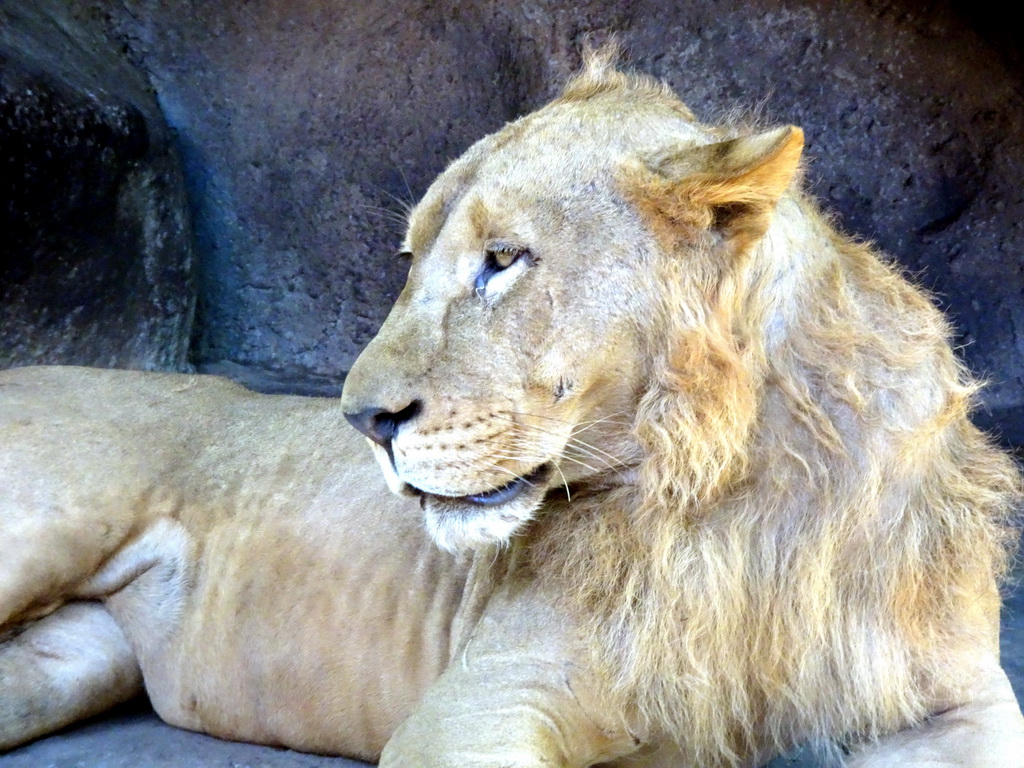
x,y
133,737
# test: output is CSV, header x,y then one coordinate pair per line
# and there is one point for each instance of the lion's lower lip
x,y
500,495
505,493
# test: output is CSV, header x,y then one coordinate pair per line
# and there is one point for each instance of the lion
x,y
680,476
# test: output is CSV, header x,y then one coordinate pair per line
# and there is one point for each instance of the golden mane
x,y
809,480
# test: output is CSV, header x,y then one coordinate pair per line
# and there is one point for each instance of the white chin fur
x,y
461,528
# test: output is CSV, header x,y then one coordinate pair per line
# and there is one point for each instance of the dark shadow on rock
x,y
97,265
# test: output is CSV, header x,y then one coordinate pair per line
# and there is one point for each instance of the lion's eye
x,y
497,259
503,257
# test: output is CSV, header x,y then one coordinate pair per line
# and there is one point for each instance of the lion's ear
x,y
731,186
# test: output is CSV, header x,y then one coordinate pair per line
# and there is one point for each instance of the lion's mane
x,y
814,516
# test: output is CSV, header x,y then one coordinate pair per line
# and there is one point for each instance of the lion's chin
x,y
461,523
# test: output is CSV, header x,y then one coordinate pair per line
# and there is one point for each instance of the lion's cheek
x,y
583,373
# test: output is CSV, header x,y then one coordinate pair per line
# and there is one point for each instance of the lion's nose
x,y
380,424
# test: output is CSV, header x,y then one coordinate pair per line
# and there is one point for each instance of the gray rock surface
x,y
96,263
306,128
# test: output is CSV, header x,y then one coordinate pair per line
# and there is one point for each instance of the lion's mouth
x,y
497,496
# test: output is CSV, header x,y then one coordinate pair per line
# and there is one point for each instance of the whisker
x,y
609,460
520,443
574,432
391,215
530,416
405,180
585,424
488,466
528,460
594,452
568,493
396,223
485,464
534,427
611,418
405,205
595,470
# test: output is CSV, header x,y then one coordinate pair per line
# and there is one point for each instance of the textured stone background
x,y
96,261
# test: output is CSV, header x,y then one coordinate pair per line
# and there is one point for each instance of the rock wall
x,y
307,126
96,266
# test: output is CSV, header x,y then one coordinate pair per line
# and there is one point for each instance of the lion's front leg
x,y
984,732
498,715
517,695
69,665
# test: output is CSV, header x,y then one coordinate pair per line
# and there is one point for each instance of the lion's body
x,y
247,548
712,460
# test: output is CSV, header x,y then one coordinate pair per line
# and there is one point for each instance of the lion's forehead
x,y
538,172
527,205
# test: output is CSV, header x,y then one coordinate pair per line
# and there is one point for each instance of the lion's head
x,y
532,322
761,424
